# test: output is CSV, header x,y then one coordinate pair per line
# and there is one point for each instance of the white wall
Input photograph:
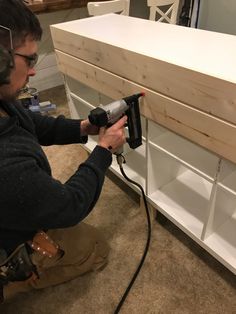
x,y
218,15
48,75
139,8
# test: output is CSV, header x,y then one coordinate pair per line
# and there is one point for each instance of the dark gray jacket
x,y
30,199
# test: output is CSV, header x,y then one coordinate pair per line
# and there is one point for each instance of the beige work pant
x,y
85,250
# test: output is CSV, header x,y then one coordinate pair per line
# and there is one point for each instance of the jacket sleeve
x,y
60,130
34,200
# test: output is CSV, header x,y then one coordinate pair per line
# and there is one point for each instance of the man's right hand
x,y
113,137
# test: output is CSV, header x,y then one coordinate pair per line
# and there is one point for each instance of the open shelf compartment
x,y
82,108
227,178
181,194
84,92
187,153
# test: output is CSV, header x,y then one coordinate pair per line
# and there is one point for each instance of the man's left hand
x,y
86,128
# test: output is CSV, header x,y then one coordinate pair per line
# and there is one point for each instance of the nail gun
x,y
109,114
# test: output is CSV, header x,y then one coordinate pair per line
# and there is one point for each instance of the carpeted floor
x,y
178,275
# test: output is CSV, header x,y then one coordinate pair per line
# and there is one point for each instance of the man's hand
x,y
113,137
86,128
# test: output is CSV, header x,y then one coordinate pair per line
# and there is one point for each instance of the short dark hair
x,y
16,15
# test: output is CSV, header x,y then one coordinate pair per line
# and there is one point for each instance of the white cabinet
x,y
191,186
188,114
48,75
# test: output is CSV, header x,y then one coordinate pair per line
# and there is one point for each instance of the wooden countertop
x,y
46,6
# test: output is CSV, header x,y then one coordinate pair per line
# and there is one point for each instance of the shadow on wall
x,y
139,9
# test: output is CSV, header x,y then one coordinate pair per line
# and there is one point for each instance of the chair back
x,y
163,10
105,7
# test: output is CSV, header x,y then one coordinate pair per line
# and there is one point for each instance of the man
x,y
35,209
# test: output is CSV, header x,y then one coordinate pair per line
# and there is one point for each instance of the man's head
x,y
26,31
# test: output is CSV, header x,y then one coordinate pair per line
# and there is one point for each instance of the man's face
x,y
19,76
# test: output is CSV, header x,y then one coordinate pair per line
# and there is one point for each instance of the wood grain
x,y
197,68
210,132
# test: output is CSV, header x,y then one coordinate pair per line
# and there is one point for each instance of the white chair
x,y
158,11
105,7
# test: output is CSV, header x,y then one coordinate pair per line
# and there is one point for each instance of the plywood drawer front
x,y
210,132
193,66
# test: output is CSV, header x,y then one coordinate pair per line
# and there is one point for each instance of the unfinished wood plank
x,y
193,66
210,132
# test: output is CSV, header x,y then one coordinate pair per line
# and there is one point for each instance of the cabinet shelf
x,y
82,91
185,200
81,102
190,155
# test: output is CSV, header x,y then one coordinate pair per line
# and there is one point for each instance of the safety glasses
x,y
30,60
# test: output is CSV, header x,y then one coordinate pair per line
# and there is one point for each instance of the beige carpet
x,y
178,276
